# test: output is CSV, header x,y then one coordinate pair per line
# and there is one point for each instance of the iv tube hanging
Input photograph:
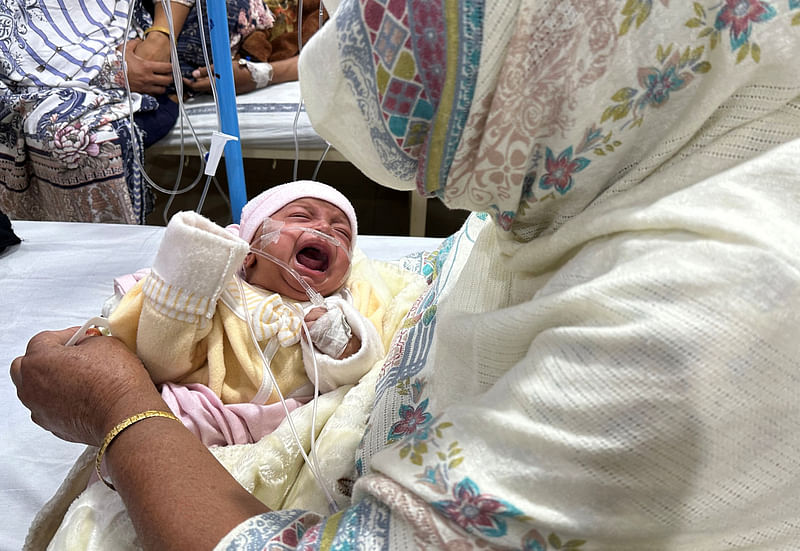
x,y
226,91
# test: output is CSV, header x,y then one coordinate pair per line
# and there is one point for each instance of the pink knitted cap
x,y
272,200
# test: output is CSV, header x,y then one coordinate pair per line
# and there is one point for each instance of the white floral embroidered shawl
x,y
614,367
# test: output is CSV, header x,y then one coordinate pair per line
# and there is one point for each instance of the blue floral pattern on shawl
x,y
415,96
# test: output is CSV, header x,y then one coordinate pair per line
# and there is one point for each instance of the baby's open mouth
x,y
313,258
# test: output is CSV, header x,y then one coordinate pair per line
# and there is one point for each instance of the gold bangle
x,y
113,433
157,28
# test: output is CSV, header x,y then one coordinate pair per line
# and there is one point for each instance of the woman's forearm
x,y
177,494
179,14
155,46
284,70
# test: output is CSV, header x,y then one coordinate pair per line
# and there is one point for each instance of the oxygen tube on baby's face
x,y
271,232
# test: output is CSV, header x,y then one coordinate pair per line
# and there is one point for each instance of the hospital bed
x,y
59,277
267,130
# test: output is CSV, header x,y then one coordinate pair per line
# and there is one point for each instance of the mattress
x,y
270,127
59,277
267,127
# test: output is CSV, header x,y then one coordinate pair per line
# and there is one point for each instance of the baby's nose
x,y
323,226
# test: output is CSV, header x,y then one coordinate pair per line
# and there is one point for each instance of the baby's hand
x,y
352,346
313,315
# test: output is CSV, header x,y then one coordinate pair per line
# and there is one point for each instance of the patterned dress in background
x,y
66,150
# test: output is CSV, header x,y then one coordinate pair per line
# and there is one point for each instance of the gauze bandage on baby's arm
x,y
330,333
334,372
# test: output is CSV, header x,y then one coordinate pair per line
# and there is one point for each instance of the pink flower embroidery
x,y
72,142
474,511
739,16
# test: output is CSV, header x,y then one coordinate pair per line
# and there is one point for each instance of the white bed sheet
x,y
59,277
267,130
266,123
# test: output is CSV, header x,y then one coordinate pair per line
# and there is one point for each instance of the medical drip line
x,y
225,100
313,461
179,91
229,120
300,101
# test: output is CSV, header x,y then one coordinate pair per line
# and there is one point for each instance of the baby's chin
x,y
325,283
327,288
286,285
295,291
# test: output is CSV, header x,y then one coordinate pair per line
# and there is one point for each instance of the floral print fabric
x,y
504,108
66,149
544,400
244,17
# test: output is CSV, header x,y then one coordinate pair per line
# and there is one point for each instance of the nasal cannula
x,y
271,231
315,298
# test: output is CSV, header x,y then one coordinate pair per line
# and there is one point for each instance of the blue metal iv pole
x,y
226,93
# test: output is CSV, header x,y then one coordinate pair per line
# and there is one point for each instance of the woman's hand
x,y
80,392
145,75
242,80
154,47
283,71
177,494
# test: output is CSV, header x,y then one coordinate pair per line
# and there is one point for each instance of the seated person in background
x,y
66,151
189,320
265,49
243,18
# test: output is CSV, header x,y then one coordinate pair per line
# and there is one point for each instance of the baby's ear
x,y
249,260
